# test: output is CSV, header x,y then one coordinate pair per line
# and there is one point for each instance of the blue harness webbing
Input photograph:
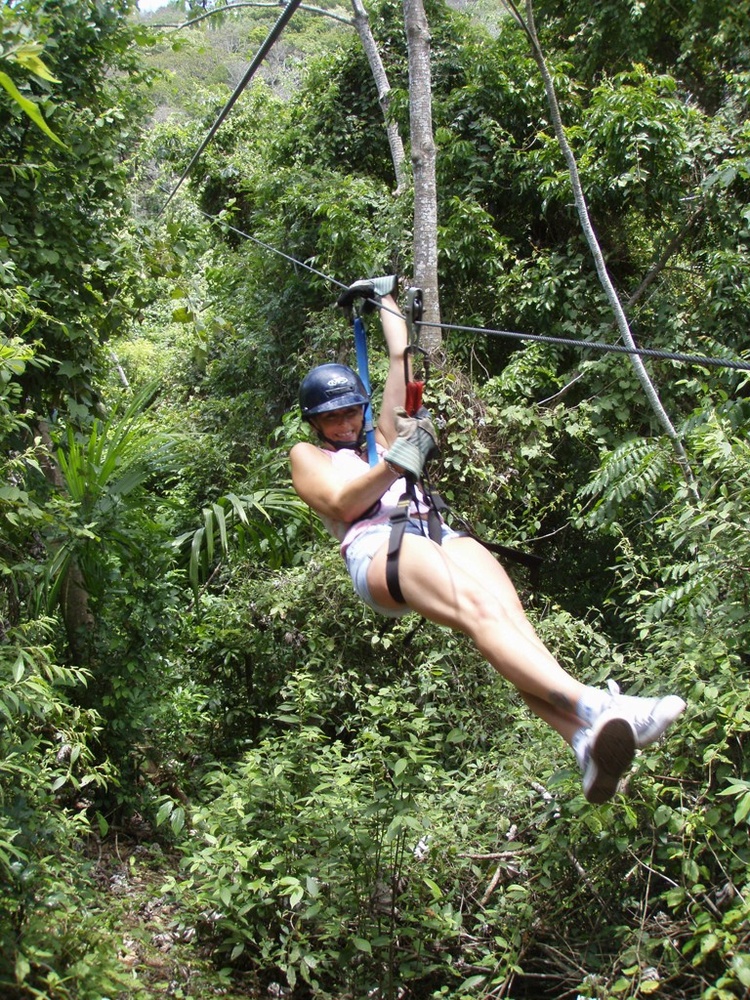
x,y
360,344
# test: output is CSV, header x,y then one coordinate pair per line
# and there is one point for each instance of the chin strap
x,y
357,445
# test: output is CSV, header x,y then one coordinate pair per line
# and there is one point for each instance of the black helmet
x,y
331,387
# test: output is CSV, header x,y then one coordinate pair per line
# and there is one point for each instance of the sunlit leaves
x,y
249,524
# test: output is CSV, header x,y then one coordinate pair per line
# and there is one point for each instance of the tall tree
x,y
380,78
423,155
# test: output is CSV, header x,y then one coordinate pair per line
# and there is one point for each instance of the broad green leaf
x,y
400,766
164,810
621,985
29,108
18,669
472,981
28,56
177,819
743,809
23,968
435,891
456,736
221,520
741,967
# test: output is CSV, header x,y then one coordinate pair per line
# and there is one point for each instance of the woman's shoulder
x,y
307,451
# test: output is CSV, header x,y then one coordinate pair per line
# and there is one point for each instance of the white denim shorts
x,y
359,555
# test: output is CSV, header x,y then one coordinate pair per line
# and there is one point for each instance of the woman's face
x,y
342,426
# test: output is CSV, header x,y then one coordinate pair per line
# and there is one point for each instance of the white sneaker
x,y
609,754
649,717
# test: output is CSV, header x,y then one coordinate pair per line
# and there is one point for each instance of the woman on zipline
x,y
457,583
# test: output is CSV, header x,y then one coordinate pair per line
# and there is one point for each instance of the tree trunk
x,y
395,143
75,607
423,157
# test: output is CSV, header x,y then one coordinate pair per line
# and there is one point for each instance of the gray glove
x,y
369,289
415,444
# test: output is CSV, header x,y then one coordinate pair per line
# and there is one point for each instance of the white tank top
x,y
351,466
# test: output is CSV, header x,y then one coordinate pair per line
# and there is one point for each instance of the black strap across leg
x,y
439,508
436,506
399,520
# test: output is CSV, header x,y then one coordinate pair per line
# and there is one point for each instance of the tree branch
x,y
622,323
254,3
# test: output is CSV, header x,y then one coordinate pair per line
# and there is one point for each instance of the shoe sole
x,y
612,753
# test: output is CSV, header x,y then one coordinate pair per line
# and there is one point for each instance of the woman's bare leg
x,y
455,585
482,603
479,563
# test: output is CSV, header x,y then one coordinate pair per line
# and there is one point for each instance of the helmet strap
x,y
357,445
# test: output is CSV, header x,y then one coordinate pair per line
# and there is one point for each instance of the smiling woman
x,y
448,578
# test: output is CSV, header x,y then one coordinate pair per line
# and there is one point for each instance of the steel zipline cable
x,y
273,35
594,345
698,360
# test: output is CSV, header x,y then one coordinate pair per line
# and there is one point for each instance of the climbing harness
x,y
436,506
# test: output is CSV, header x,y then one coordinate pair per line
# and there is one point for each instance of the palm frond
x,y
262,523
635,469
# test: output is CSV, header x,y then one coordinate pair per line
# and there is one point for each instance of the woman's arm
x,y
317,482
394,391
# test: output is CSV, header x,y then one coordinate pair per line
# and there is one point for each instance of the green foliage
x,y
20,510
50,944
249,520
18,48
103,476
346,898
700,44
64,204
704,582
317,852
361,806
